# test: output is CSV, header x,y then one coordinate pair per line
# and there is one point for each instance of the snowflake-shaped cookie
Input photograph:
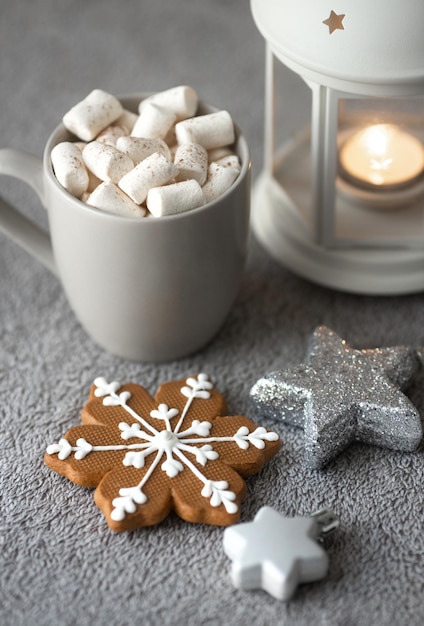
x,y
148,456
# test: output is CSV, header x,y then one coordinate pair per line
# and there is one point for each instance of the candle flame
x,y
377,140
383,154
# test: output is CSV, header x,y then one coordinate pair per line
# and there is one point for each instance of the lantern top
x,y
358,46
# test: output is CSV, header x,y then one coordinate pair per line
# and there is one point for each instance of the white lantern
x,y
341,198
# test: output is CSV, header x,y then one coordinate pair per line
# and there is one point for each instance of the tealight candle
x,y
382,156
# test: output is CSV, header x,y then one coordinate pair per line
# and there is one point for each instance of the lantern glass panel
x,y
379,198
288,139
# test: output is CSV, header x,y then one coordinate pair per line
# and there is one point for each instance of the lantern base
x,y
389,271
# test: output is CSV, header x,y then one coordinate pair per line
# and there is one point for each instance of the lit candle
x,y
382,156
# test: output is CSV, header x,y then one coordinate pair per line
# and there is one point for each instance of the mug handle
x,y
28,168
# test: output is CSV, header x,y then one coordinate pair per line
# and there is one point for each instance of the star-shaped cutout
x,y
335,22
275,553
343,395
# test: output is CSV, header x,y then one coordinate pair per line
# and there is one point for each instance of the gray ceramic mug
x,y
144,289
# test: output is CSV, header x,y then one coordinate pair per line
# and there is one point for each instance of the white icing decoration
x,y
127,503
257,438
163,413
197,387
203,455
104,388
137,459
172,467
218,493
82,449
196,428
132,430
117,400
168,442
63,449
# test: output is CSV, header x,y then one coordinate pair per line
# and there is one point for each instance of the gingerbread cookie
x,y
148,456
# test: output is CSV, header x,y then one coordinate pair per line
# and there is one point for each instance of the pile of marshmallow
x,y
163,161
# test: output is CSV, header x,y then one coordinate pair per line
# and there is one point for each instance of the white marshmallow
x,y
154,122
211,131
111,134
175,198
108,197
69,168
80,144
170,137
127,119
231,160
182,100
90,116
153,171
220,178
219,153
139,149
139,166
192,161
173,150
106,162
93,181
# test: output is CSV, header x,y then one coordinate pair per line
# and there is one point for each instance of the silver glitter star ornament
x,y
343,395
277,553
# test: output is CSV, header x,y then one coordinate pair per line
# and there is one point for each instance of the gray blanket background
x,y
59,563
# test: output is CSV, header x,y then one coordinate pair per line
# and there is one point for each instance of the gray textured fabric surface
x,y
59,563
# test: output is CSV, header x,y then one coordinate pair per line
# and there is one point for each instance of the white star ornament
x,y
275,553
